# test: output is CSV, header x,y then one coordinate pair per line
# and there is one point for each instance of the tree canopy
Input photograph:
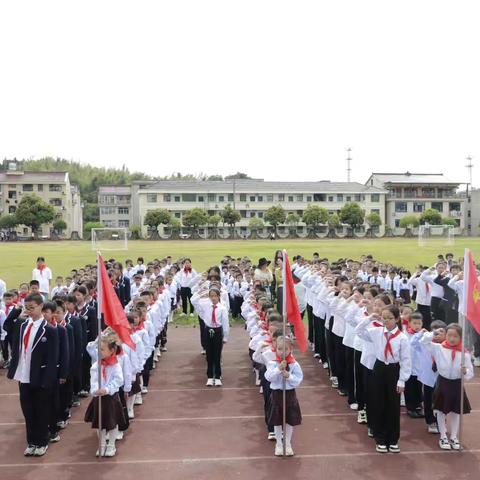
x,y
352,214
275,216
33,212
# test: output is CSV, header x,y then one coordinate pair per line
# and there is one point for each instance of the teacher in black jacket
x,y
34,366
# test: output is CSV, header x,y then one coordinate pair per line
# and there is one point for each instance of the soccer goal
x,y
438,234
104,239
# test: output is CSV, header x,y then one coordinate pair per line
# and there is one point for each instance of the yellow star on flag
x,y
475,294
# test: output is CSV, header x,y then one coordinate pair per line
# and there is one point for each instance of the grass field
x,y
18,259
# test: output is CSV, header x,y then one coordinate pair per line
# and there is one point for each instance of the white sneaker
x,y
218,382
62,424
317,355
138,399
354,406
402,400
476,362
163,349
258,382
279,450
271,436
183,315
120,435
203,352
362,417
40,451
144,390
101,452
210,382
30,451
455,444
433,428
325,365
110,451
444,444
131,414
191,315
289,451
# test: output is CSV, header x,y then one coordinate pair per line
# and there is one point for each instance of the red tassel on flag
x,y
109,304
292,311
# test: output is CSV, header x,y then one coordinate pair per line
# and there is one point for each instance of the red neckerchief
x,y
22,296
289,359
388,346
411,331
187,270
377,324
111,360
41,268
63,322
453,348
8,307
71,311
161,289
140,326
94,295
262,315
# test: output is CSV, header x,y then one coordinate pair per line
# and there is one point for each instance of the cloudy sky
x,y
278,89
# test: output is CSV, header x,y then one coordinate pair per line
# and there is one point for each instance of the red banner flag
x,y
471,291
291,305
109,304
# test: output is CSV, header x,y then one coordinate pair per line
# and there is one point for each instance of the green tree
x,y
87,228
431,216
255,224
373,220
8,222
154,218
59,226
238,176
194,218
333,222
275,216
449,221
292,221
231,217
313,216
135,232
175,226
214,220
409,221
33,212
352,214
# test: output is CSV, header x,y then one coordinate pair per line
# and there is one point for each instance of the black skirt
x,y
275,408
447,396
136,388
405,295
112,413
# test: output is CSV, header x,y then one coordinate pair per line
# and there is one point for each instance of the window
x,y
109,223
397,223
12,195
201,198
375,210
151,198
28,187
107,199
177,215
56,202
53,187
123,210
340,197
211,197
299,198
309,198
358,197
177,198
243,197
349,198
189,197
260,214
418,207
230,197
400,207
330,198
260,198
12,209
319,197
290,198
270,197
375,197
252,198
40,187
124,199
437,206
243,213
281,197
221,198
124,223
107,210
428,192
455,207
167,197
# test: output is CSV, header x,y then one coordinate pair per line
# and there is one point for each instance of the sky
x,y
276,89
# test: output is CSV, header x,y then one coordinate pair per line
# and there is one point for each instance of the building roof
x,y
16,176
115,189
253,186
408,177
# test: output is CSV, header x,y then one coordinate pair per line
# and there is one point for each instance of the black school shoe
x,y
381,449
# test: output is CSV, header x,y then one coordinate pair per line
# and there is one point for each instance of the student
x,y
34,367
43,275
34,289
447,393
391,370
215,316
429,276
186,279
106,391
413,387
59,289
278,370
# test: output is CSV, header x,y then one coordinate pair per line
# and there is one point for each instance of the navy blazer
x,y
44,361
71,348
63,352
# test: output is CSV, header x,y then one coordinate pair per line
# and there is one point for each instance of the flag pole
x,y
284,382
99,361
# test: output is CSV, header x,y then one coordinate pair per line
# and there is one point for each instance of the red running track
x,y
185,430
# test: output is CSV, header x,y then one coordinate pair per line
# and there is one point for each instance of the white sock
x,y
442,424
278,435
103,437
454,425
288,434
112,436
257,375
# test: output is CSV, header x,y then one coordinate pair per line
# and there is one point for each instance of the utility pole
x,y
470,170
349,161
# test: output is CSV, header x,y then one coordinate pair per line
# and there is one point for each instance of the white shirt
x,y
112,382
275,377
186,279
58,291
204,308
424,297
43,278
3,288
399,344
435,289
22,374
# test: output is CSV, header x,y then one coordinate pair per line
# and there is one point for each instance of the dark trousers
x,y
163,335
65,399
319,337
35,403
5,350
236,306
413,394
385,403
266,395
214,346
331,358
186,294
451,314
280,300
146,370
426,314
438,312
367,393
310,322
54,409
85,377
350,374
340,361
203,333
428,405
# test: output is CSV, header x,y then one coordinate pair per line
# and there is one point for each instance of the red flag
x,y
291,305
471,291
109,304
